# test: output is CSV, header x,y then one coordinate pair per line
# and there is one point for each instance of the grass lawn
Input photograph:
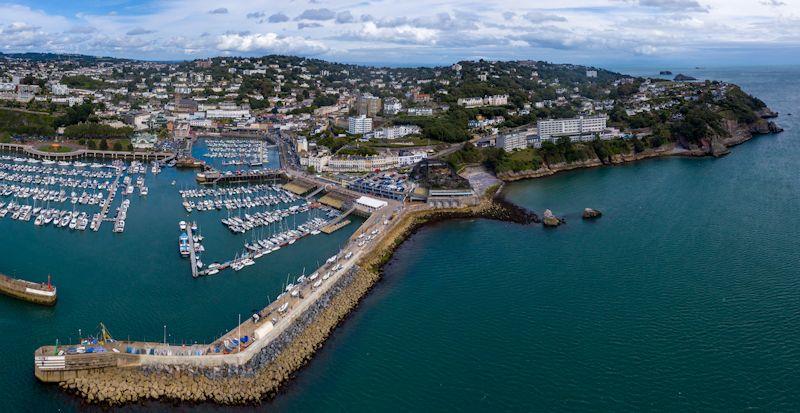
x,y
404,142
524,155
55,148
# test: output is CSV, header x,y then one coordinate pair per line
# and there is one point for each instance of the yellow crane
x,y
104,335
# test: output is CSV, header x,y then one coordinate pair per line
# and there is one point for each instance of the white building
x,y
144,141
410,158
201,123
362,163
357,125
420,112
573,126
228,113
59,89
591,73
302,144
392,106
474,102
512,141
394,132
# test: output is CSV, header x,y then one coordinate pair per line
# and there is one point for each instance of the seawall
x,y
263,375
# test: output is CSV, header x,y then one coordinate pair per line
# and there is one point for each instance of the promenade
x,y
85,153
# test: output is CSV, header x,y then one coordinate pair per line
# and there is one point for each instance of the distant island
x,y
665,72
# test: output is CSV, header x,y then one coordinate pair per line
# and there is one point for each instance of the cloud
x,y
304,25
278,18
674,5
345,17
370,31
270,43
539,17
139,31
317,14
221,10
19,27
588,31
82,29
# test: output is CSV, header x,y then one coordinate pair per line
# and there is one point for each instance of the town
x,y
355,125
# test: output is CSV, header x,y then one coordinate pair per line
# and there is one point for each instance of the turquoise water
x,y
683,296
134,282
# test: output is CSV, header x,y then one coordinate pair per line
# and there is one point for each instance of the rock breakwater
x,y
263,375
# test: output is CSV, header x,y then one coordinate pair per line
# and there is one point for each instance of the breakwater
x,y
263,375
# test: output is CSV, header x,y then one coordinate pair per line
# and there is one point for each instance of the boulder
x,y
550,220
589,213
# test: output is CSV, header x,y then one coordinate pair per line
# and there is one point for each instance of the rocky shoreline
x,y
262,377
737,133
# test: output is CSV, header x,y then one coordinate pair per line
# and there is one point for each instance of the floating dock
x,y
38,293
192,255
330,228
215,177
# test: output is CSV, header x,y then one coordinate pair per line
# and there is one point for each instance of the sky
x,y
615,33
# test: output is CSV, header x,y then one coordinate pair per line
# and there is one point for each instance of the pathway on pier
x,y
112,191
192,255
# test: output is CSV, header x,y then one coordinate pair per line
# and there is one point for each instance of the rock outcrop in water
x,y
589,213
550,220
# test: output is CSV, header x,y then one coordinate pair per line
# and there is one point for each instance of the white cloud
x,y
269,43
414,30
539,17
370,31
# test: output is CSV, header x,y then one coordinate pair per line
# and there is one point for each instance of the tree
x,y
103,145
91,144
117,146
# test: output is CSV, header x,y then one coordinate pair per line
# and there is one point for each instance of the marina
x,y
31,189
257,220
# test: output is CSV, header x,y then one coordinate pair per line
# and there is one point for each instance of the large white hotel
x,y
572,126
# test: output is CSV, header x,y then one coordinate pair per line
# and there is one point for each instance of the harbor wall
x,y
272,365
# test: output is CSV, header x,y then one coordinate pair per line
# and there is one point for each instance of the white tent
x,y
371,203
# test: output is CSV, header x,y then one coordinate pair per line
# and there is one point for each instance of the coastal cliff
x,y
718,144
